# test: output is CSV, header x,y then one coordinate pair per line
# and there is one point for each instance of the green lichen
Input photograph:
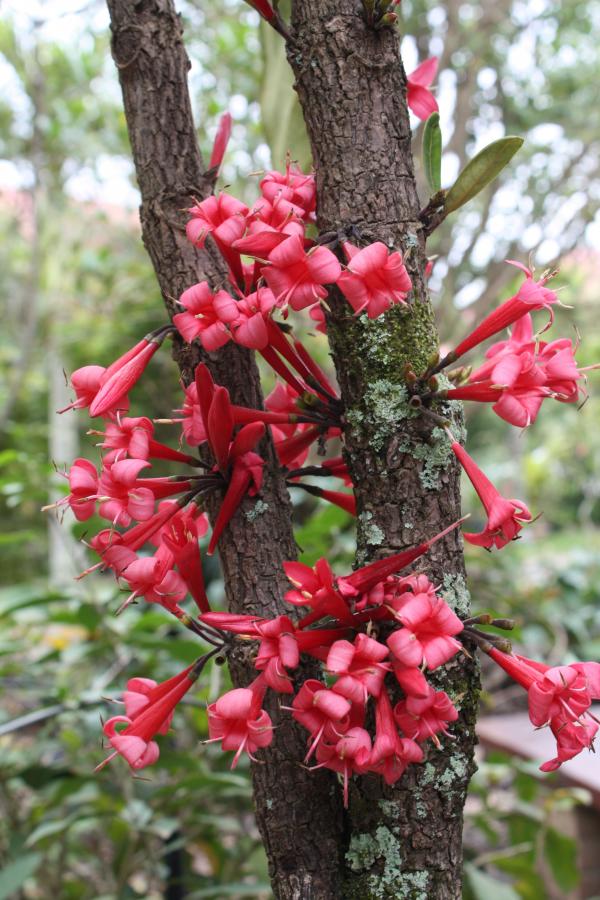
x,y
385,407
429,774
456,594
457,770
421,809
389,808
384,849
413,886
269,804
259,508
371,534
435,457
362,852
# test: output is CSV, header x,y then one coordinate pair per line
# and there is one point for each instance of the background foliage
x,y
76,287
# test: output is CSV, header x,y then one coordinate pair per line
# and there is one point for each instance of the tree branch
x,y
150,56
406,840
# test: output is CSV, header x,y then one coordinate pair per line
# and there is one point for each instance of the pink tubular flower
x,y
391,754
133,438
193,428
182,543
246,317
532,295
519,374
517,405
233,622
294,186
420,100
368,576
505,517
427,635
121,498
220,143
359,667
278,651
86,382
152,578
235,460
375,279
223,217
134,742
296,277
83,481
557,361
127,437
349,755
559,696
561,691
421,718
323,712
317,315
500,367
124,373
237,720
142,692
269,224
571,739
314,587
201,320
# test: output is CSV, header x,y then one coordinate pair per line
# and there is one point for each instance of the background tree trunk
x,y
150,56
404,842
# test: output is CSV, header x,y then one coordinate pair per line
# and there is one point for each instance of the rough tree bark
x,y
150,56
394,843
404,841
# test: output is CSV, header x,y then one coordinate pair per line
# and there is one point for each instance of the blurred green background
x,y
76,287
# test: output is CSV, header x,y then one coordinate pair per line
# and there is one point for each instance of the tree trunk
x,y
404,841
150,56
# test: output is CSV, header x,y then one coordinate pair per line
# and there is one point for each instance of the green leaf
x,y
432,152
560,852
16,873
480,170
484,886
49,829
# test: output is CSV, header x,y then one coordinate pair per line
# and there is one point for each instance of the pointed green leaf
x,y
15,874
480,170
432,152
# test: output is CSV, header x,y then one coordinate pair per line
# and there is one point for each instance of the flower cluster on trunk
x,y
377,632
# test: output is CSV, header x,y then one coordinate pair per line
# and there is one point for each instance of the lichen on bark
x,y
403,841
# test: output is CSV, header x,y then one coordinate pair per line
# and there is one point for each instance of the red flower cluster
x,y
376,633
521,372
289,270
559,697
415,631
